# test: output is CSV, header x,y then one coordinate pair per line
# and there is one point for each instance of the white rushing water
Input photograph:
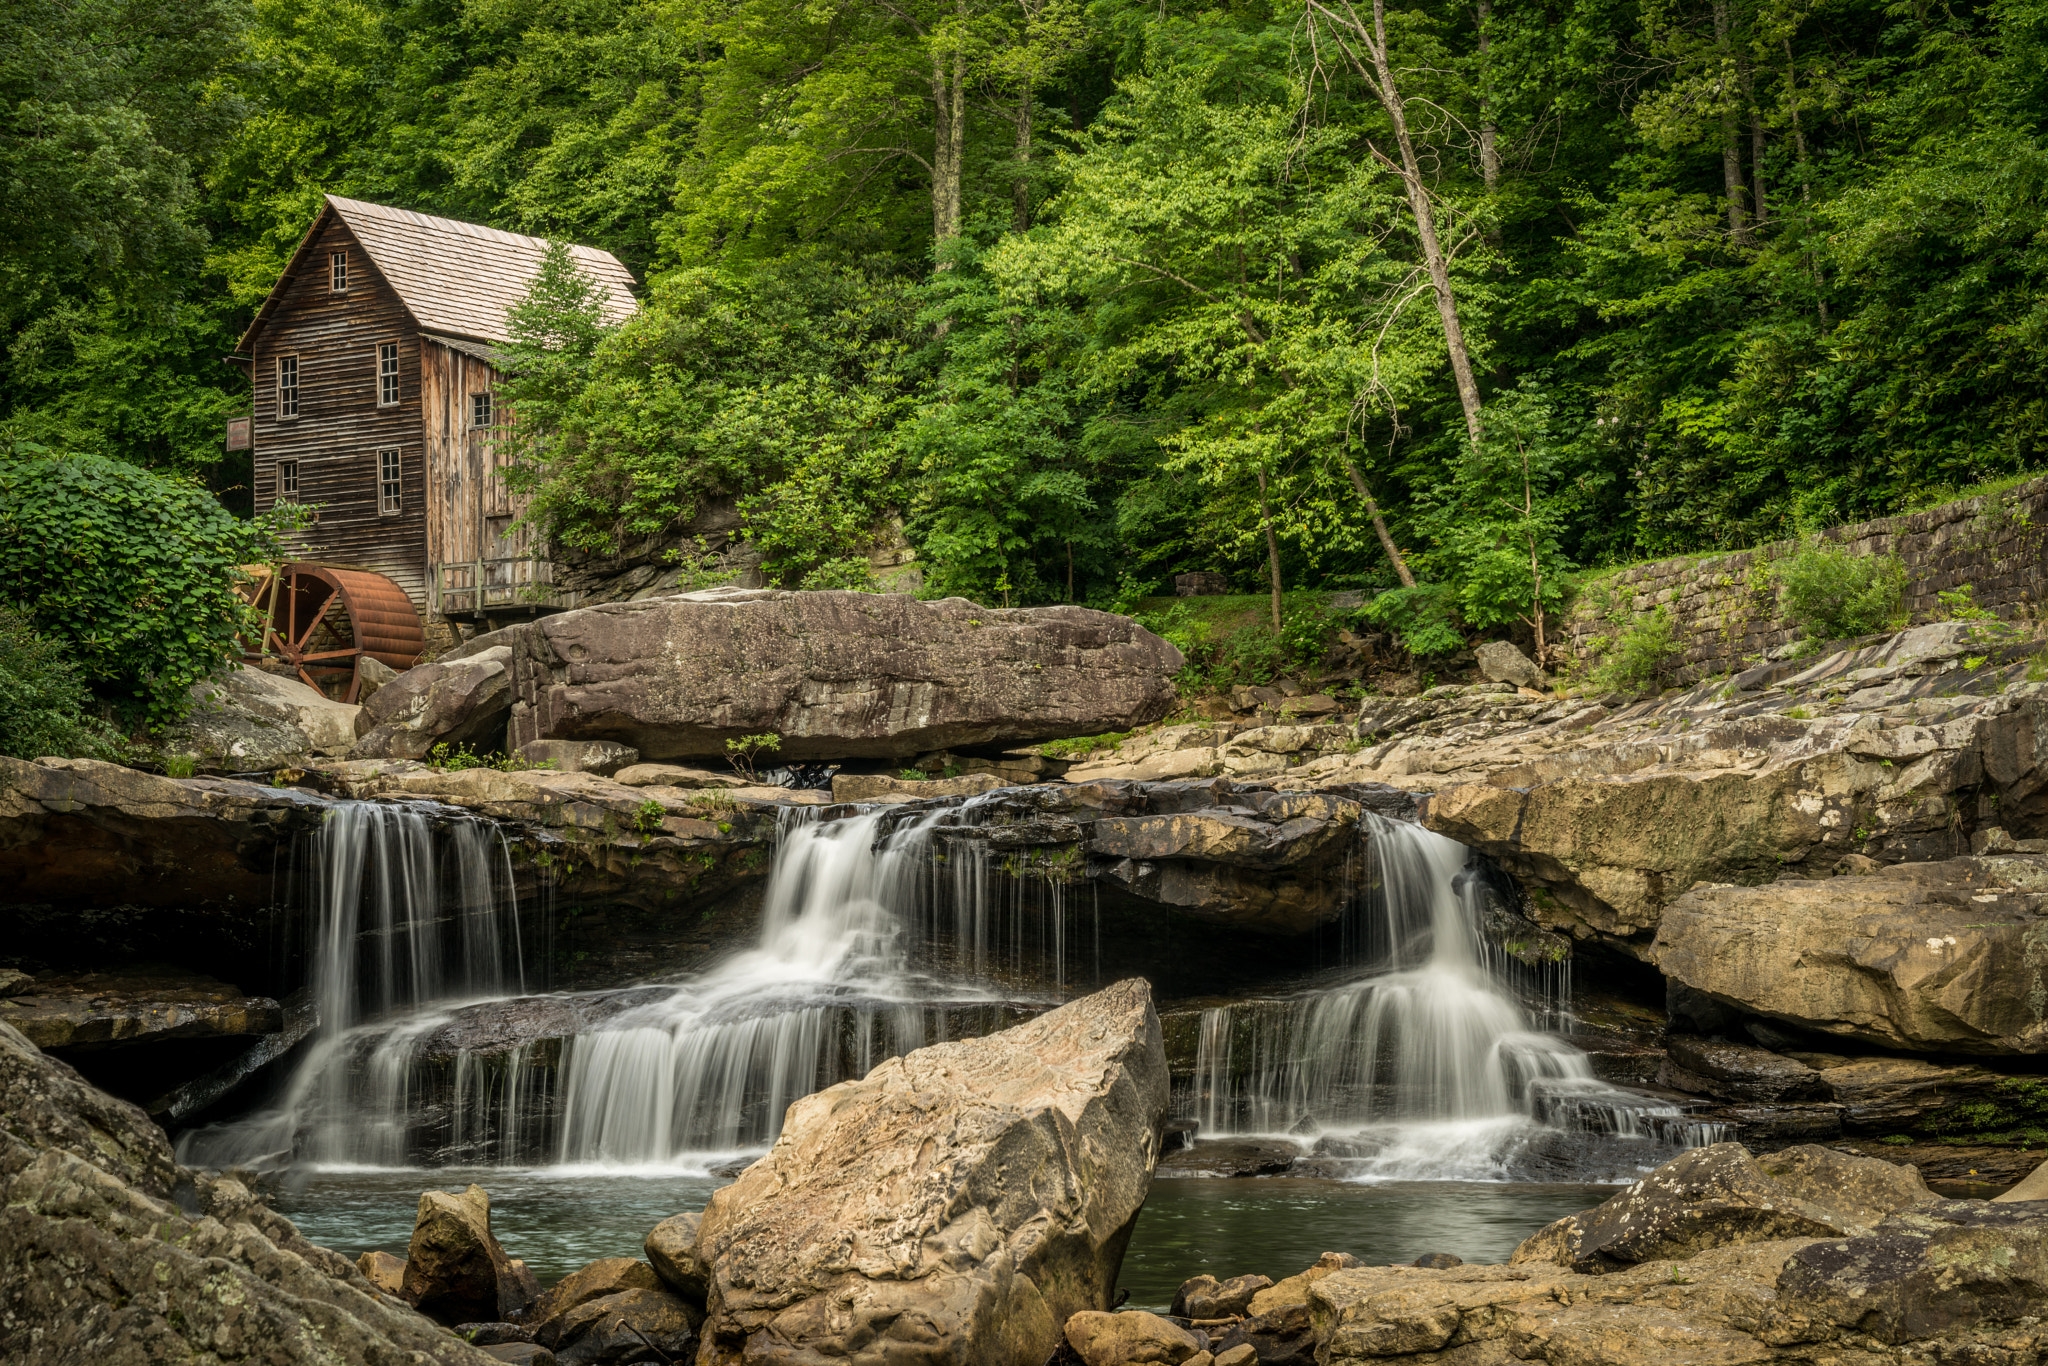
x,y
1424,1066
875,939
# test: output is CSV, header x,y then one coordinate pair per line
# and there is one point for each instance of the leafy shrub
x,y
1960,604
1829,593
850,572
1636,658
134,573
743,752
446,760
45,707
1423,618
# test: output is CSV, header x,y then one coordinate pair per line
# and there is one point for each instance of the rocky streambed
x,y
1532,937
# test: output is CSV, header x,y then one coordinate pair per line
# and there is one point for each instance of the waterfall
x,y
412,910
1423,1067
880,932
827,993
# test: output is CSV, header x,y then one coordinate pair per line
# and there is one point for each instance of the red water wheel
x,y
321,622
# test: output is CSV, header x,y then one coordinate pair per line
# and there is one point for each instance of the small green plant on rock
x,y
743,752
647,817
1960,604
180,766
444,758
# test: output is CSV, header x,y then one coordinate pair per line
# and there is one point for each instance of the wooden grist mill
x,y
321,622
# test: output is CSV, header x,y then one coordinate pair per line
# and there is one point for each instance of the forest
x,y
1440,301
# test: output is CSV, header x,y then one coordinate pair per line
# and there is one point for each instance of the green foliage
x,y
1230,640
1172,302
1960,604
133,572
454,759
1081,746
45,707
1637,658
1831,594
1423,618
745,750
648,816
2016,1107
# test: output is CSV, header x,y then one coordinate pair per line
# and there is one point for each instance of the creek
x,y
1426,1076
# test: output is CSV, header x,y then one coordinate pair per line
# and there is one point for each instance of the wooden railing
x,y
472,587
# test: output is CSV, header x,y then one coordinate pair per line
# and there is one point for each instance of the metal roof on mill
x,y
457,279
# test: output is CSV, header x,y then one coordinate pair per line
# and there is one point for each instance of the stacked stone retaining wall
x,y
1724,609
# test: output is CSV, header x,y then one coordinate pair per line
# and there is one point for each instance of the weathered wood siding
x,y
339,428
465,487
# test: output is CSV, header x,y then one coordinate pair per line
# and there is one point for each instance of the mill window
x,y
337,272
287,386
480,409
288,480
387,482
387,374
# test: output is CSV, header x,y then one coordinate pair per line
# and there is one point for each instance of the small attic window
x,y
337,272
480,409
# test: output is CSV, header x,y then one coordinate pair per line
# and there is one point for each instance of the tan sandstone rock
x,y
958,1204
672,1251
1929,956
1129,1339
461,699
383,1270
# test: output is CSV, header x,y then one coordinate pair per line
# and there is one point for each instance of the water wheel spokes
x,y
321,622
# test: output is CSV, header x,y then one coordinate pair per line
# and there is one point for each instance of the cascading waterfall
x,y
410,910
881,932
828,993
1425,1067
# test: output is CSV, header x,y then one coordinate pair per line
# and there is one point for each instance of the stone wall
x,y
1724,607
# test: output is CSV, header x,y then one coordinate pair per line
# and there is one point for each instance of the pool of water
x,y
557,1222
1276,1226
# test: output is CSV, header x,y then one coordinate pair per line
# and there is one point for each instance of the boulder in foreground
x,y
113,1255
957,1205
836,675
1700,1265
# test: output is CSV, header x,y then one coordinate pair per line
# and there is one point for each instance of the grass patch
x,y
1081,746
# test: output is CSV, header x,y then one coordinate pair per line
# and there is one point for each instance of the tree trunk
x,y
1732,182
1489,134
1272,548
1381,79
1379,526
1020,188
1756,138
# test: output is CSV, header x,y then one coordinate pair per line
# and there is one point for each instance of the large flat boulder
x,y
1926,957
836,675
113,1255
957,1205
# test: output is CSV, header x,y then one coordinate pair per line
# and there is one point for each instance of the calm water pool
x,y
1273,1226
